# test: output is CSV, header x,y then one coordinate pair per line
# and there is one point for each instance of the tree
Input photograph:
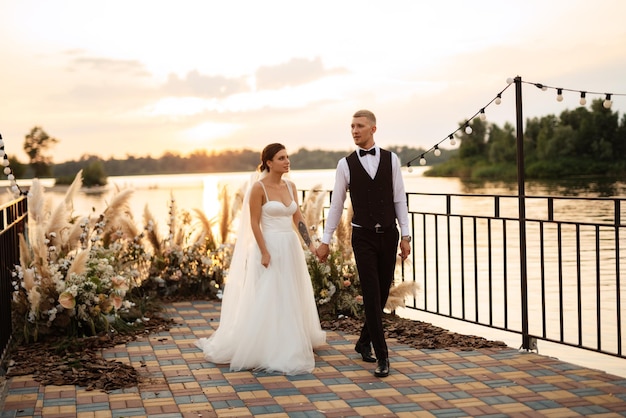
x,y
473,145
36,143
94,175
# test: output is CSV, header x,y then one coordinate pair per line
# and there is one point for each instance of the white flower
x,y
52,314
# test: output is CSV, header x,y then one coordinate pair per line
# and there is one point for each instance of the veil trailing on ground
x,y
238,286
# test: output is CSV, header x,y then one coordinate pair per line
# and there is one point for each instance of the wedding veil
x,y
238,288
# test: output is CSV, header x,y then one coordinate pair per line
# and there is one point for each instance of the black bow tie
x,y
362,152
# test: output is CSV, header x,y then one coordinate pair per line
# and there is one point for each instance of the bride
x,y
269,320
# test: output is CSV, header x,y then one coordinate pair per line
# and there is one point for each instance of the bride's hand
x,y
265,259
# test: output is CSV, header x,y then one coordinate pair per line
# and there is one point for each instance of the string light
x,y
15,189
466,127
607,103
559,95
583,93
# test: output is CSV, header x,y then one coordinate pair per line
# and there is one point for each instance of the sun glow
x,y
180,106
209,130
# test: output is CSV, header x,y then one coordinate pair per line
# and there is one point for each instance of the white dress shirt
x,y
342,181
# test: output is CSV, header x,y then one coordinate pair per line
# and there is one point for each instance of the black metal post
x,y
526,345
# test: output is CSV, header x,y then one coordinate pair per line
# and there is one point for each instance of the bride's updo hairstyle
x,y
268,154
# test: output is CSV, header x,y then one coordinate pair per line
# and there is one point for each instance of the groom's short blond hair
x,y
365,113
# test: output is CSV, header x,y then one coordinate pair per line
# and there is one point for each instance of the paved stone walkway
x,y
178,382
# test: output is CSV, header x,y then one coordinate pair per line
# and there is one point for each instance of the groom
x,y
373,177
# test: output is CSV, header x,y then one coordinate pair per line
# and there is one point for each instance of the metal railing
x,y
13,222
553,274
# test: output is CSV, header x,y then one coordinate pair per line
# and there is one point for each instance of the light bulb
x,y
559,95
544,88
5,162
1,142
7,171
607,102
482,115
583,101
498,99
509,80
468,129
437,151
410,169
422,160
2,153
452,141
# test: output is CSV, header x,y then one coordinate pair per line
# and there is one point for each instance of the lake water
x,y
201,191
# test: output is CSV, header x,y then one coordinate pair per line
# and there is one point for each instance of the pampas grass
x,y
25,254
79,265
36,202
115,218
398,294
72,191
313,207
237,201
343,233
55,229
206,232
225,219
152,230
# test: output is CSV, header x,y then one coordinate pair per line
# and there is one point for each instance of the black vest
x,y
372,199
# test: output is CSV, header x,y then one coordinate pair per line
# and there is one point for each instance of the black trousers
x,y
375,255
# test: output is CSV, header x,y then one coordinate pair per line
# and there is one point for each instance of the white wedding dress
x,y
269,320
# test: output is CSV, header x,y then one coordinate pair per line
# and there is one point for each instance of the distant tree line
x,y
579,142
211,162
96,169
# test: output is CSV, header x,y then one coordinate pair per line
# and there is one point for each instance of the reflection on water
x,y
581,187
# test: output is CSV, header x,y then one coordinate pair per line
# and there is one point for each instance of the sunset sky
x,y
137,77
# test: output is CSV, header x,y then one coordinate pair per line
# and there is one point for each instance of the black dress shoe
x,y
382,369
366,353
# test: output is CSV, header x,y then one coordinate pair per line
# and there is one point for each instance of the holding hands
x,y
322,252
